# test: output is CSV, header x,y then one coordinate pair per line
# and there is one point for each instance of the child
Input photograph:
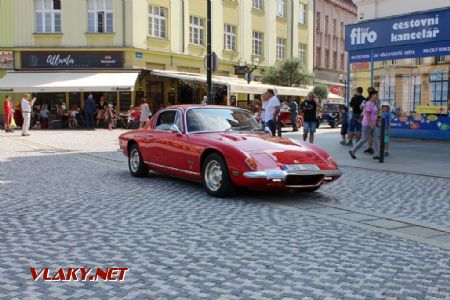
x,y
345,120
386,115
109,117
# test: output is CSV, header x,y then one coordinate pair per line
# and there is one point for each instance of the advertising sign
x,y
72,60
6,59
424,109
417,28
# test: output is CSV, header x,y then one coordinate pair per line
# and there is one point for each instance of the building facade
x,y
330,61
149,35
407,59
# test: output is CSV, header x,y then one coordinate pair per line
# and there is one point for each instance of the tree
x,y
196,86
321,91
289,72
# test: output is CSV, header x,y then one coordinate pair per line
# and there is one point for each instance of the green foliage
x,y
289,72
321,91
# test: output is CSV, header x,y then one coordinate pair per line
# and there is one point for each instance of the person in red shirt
x,y
8,113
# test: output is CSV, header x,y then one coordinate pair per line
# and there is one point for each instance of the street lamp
x,y
248,69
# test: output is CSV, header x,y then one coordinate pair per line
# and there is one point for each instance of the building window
x,y
417,61
230,37
327,59
342,30
318,57
196,30
387,88
342,62
258,4
281,47
302,53
439,89
48,15
318,22
157,18
334,27
327,29
281,8
100,16
302,13
417,91
440,59
257,43
335,62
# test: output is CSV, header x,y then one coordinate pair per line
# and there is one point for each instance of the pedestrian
x,y
309,109
26,106
205,100
369,149
293,108
7,114
145,113
369,122
345,122
109,117
101,107
386,116
356,104
264,101
271,111
89,110
43,116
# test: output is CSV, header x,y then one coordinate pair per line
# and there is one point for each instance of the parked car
x,y
224,147
285,116
330,114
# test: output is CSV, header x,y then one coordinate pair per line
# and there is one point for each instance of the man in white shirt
x,y
26,113
272,110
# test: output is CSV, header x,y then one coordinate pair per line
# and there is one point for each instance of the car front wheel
x,y
216,179
136,163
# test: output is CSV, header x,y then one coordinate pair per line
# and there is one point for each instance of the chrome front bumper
x,y
271,174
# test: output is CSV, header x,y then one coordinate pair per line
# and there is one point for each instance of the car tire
x,y
216,179
136,163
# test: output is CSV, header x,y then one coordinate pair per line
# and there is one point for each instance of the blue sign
x,y
411,51
139,55
417,28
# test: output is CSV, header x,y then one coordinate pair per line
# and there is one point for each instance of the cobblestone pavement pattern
x,y
62,208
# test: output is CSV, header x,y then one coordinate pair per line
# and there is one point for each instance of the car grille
x,y
303,180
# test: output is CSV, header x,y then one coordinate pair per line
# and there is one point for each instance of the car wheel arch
x,y
206,153
131,143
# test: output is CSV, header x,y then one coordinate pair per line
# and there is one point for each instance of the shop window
x,y
439,89
47,16
100,16
387,88
125,101
157,19
196,30
416,91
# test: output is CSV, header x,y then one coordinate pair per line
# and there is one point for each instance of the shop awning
x,y
36,82
235,85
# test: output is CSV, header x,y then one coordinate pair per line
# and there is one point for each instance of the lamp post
x,y
248,69
344,81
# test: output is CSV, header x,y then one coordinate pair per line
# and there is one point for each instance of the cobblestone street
x,y
68,200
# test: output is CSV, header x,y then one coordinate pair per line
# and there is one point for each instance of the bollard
x,y
382,132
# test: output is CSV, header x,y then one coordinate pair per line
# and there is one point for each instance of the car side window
x,y
179,121
168,118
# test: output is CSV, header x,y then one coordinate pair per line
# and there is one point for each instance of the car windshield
x,y
220,119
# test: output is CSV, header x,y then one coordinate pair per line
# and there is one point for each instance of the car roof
x,y
185,107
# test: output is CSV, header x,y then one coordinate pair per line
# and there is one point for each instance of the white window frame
x,y
230,37
439,89
281,48
47,18
157,21
302,13
387,88
281,8
257,43
302,48
97,8
197,30
258,4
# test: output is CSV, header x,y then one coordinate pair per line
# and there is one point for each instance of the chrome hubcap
x,y
213,175
134,160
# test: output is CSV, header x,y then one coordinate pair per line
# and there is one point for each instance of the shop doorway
x,y
155,93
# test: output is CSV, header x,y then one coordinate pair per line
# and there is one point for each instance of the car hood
x,y
281,150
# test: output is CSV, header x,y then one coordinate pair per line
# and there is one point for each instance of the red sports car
x,y
223,147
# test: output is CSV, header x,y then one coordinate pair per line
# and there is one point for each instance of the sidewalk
x,y
430,158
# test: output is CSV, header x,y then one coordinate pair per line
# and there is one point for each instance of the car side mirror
x,y
174,128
